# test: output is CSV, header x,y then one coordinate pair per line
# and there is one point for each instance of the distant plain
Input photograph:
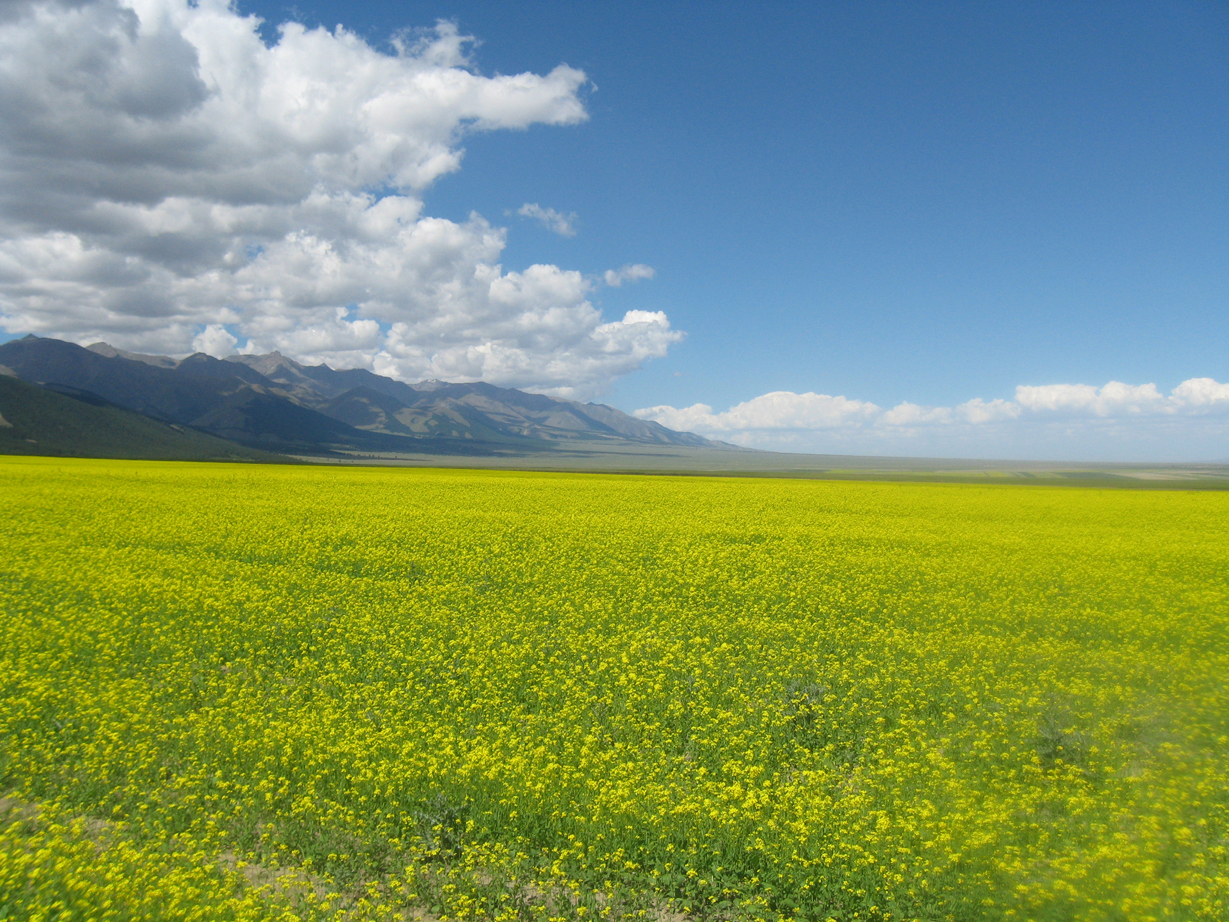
x,y
683,460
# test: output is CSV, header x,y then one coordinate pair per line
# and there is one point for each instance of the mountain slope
x,y
489,411
540,417
108,351
275,403
227,400
319,382
372,411
39,421
179,393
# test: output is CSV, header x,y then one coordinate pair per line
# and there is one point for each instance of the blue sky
x,y
921,204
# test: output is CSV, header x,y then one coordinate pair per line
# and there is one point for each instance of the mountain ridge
x,y
62,421
274,403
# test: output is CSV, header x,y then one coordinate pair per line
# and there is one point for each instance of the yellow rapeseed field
x,y
257,692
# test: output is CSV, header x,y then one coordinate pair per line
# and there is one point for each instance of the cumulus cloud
x,y
978,411
1201,394
168,181
562,224
910,414
633,273
215,340
783,418
777,410
1112,399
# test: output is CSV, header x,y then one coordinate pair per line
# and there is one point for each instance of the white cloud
x,y
215,340
1068,417
166,172
562,224
978,411
1113,399
910,414
1202,393
633,273
698,417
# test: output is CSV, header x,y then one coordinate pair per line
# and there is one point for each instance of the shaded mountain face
x,y
192,392
467,411
273,402
319,382
67,422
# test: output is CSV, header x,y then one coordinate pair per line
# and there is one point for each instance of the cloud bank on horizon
x,y
173,184
819,422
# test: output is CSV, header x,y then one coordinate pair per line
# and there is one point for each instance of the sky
x,y
987,230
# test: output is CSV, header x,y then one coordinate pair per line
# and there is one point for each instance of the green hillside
x,y
37,421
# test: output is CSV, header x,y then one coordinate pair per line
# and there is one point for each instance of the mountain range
x,y
275,404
